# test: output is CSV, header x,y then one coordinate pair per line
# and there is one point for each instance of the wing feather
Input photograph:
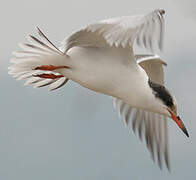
x,y
121,31
151,126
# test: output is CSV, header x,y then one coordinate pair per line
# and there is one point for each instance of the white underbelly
x,y
103,70
112,72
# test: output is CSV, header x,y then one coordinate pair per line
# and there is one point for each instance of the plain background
x,y
74,133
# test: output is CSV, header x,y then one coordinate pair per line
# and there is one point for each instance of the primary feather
x,y
121,31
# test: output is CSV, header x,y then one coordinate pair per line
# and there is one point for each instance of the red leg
x,y
48,76
50,67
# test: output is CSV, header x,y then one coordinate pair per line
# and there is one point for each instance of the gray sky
x,y
74,133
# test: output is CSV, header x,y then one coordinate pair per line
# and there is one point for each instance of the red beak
x,y
179,123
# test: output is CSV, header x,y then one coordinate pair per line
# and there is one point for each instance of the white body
x,y
114,72
100,57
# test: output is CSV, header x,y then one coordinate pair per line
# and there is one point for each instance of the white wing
x,y
121,31
150,125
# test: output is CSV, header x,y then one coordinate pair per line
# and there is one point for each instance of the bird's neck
x,y
140,95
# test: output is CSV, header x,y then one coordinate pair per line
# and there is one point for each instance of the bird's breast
x,y
102,69
113,72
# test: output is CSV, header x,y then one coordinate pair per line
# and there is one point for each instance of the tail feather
x,y
24,54
43,83
32,80
43,45
35,48
58,83
28,63
47,40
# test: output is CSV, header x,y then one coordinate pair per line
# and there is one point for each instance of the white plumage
x,y
155,125
121,31
100,57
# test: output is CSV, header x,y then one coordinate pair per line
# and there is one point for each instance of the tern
x,y
101,58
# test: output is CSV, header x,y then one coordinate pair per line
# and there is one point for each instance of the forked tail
x,y
40,63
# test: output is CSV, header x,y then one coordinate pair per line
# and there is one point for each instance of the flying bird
x,y
101,58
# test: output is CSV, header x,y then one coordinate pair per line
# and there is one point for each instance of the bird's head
x,y
169,104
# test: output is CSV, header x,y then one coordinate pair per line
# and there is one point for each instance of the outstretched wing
x,y
121,31
150,125
153,65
